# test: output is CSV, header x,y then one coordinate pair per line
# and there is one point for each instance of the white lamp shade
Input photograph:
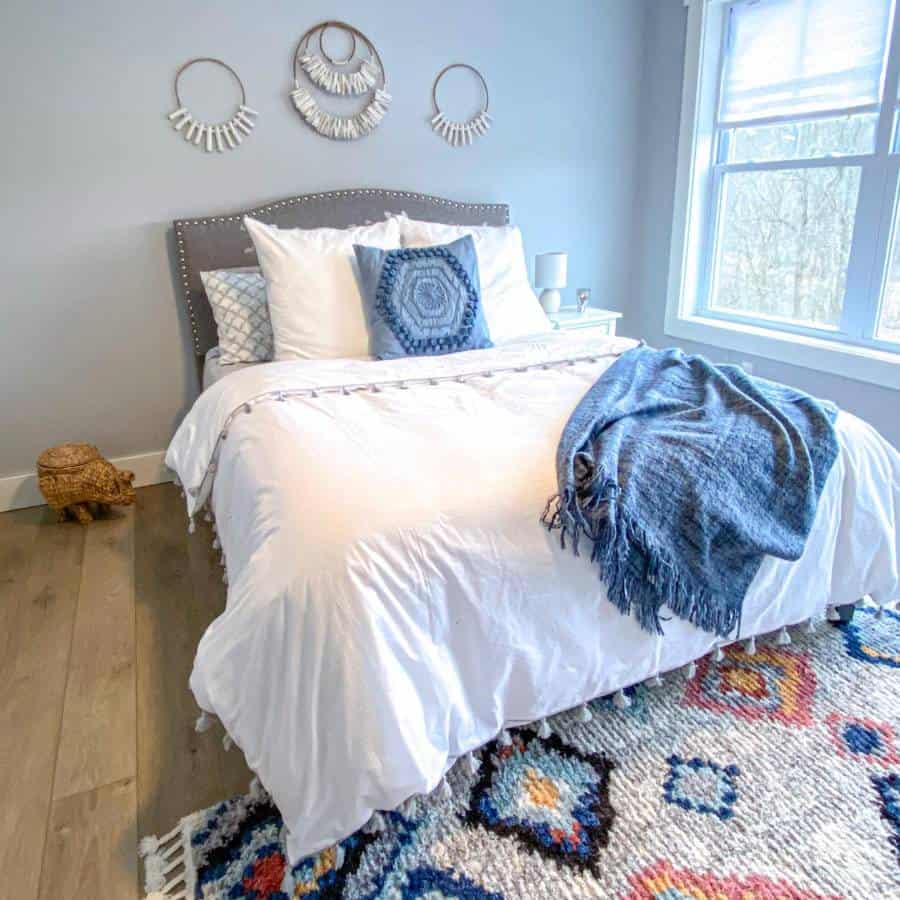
x,y
551,270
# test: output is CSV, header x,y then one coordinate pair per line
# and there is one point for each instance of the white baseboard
x,y
18,491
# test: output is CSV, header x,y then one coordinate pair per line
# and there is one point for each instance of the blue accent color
x,y
860,739
872,641
682,476
428,882
888,787
422,301
676,792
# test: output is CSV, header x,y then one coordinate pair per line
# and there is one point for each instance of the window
x,y
786,240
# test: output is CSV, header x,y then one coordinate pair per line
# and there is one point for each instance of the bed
x,y
393,602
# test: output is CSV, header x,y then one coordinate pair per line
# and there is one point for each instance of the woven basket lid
x,y
66,456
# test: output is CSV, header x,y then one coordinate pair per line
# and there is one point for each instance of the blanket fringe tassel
x,y
620,548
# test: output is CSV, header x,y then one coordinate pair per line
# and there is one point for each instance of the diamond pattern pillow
x,y
241,310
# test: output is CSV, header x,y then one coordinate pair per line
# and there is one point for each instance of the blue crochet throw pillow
x,y
422,301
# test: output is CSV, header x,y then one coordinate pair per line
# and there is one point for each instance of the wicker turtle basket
x,y
77,481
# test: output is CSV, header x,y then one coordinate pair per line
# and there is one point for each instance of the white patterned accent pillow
x,y
241,310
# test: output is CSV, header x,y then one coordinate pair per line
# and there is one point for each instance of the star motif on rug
x,y
701,786
888,788
548,795
874,743
662,881
873,640
775,683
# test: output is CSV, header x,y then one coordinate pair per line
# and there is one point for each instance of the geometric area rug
x,y
774,775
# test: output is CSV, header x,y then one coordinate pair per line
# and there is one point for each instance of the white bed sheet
x,y
393,601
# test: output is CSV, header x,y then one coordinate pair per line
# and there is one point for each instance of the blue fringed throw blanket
x,y
683,475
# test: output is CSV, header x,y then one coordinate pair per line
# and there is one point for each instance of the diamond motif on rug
x,y
774,683
662,881
874,743
816,809
888,787
867,641
548,795
700,786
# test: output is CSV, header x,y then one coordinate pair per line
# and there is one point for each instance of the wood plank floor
x,y
98,628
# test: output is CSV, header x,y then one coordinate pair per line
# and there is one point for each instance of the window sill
x,y
860,363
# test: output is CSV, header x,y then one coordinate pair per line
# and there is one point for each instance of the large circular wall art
x,y
222,136
459,134
360,74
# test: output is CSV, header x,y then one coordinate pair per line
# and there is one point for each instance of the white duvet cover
x,y
393,599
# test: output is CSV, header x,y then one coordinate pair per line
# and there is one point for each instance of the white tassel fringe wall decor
x,y
322,72
213,138
460,134
324,76
341,128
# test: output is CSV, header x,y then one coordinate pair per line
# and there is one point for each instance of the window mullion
x,y
874,215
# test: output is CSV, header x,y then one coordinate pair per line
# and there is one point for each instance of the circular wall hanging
x,y
324,72
222,136
454,133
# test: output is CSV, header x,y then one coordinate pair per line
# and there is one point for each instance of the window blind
x,y
793,57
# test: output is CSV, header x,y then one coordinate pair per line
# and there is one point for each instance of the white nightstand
x,y
568,319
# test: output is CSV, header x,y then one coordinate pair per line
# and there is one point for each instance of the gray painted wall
x,y
660,100
94,344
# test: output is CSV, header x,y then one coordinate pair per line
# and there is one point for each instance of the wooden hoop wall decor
x,y
458,134
324,73
224,135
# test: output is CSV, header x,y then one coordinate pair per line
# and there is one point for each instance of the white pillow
x,y
510,305
314,299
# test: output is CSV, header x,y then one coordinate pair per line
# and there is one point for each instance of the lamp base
x,y
550,300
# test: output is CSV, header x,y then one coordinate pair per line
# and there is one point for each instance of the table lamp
x,y
550,270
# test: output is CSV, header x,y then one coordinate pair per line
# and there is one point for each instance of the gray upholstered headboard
x,y
220,242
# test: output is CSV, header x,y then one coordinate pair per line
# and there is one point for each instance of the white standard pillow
x,y
510,305
314,299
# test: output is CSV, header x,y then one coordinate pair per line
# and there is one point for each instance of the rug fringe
x,y
168,869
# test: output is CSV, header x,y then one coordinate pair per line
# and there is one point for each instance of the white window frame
x,y
865,359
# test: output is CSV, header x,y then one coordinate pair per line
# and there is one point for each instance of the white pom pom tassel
x,y
833,614
204,722
257,791
783,638
227,742
584,713
621,700
504,738
810,625
655,681
216,544
544,730
192,527
750,646
473,762
445,792
692,669
719,654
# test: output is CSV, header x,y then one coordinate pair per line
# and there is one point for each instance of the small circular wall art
x,y
222,136
459,134
359,74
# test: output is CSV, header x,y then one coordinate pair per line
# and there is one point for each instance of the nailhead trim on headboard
x,y
498,212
